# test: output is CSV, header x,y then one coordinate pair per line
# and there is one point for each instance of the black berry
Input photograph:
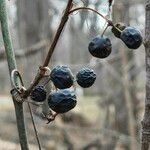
x,y
62,77
100,47
38,94
117,28
86,77
62,101
131,37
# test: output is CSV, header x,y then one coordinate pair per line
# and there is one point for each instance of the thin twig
x,y
64,19
93,10
52,48
34,126
58,33
104,30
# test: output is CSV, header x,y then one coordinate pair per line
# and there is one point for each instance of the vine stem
x,y
104,30
39,76
110,23
12,65
58,33
63,22
15,74
34,126
93,10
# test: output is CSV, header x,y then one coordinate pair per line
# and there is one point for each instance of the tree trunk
x,y
146,121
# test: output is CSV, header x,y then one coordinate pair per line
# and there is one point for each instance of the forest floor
x,y
55,136
83,126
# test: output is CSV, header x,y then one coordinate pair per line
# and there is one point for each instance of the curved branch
x,y
58,33
61,26
93,10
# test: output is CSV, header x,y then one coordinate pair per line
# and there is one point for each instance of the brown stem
x,y
93,10
104,30
64,19
34,126
58,33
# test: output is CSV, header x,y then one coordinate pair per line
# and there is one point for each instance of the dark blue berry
x,y
62,101
86,77
131,37
100,47
62,77
38,94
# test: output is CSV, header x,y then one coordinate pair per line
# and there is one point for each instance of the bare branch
x,y
51,49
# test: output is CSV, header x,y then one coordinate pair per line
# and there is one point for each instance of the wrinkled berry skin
x,y
121,26
100,47
62,77
62,101
131,37
86,77
38,94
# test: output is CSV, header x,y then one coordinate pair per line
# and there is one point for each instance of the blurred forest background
x,y
108,115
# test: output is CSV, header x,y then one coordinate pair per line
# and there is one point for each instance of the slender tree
x,y
12,65
146,121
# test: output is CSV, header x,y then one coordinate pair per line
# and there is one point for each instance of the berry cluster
x,y
100,46
63,98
